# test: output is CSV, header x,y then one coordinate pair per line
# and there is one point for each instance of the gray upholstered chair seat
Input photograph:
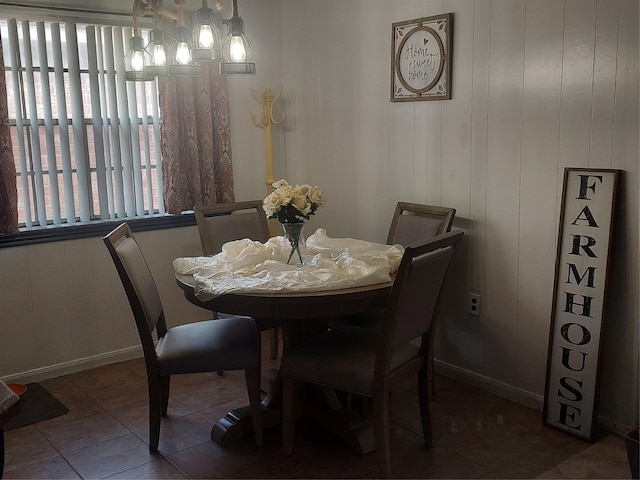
x,y
210,345
343,358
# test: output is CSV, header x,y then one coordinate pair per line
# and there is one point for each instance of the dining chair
x,y
413,222
373,363
225,222
204,346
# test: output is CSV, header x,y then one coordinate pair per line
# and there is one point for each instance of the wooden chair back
x,y
225,222
139,286
413,222
415,295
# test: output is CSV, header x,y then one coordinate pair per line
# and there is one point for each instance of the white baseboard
x,y
518,395
496,387
73,366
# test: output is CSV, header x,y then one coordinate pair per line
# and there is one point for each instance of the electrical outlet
x,y
474,304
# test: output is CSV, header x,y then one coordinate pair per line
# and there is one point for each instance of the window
x,y
86,143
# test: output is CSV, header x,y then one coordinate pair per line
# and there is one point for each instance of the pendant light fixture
x,y
157,49
190,47
206,36
182,56
136,61
237,52
137,58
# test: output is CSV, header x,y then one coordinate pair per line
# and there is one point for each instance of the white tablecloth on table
x,y
246,266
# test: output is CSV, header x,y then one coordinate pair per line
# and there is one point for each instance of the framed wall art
x,y
579,300
421,58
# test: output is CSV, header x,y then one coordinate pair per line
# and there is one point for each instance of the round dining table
x,y
283,306
294,312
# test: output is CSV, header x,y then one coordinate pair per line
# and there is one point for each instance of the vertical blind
x,y
86,142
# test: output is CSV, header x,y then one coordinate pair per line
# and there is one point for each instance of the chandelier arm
x,y
153,8
138,10
180,5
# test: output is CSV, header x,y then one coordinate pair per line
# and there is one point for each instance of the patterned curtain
x,y
195,140
8,191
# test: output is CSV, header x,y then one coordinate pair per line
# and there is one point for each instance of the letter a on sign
x,y
579,294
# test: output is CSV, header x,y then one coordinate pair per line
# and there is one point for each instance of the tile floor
x,y
104,435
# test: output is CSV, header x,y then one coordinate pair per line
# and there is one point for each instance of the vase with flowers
x,y
291,205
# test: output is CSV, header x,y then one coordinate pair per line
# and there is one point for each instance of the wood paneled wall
x,y
538,85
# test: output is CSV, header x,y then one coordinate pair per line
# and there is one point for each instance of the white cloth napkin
x,y
246,266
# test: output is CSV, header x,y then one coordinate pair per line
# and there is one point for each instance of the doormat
x,y
604,459
36,405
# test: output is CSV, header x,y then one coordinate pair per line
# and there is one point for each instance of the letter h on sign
x,y
582,266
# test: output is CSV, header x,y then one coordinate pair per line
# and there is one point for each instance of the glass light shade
x,y
182,49
182,64
158,52
206,37
237,53
137,60
159,55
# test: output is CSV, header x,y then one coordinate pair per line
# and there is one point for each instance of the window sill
x,y
97,228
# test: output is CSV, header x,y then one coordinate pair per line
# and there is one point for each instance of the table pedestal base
x,y
322,408
237,424
355,430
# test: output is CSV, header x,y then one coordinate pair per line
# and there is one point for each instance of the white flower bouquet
x,y
292,203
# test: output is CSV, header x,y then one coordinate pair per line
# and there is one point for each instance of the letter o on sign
x,y
575,334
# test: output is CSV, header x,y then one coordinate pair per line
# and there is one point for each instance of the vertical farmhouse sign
x,y
582,261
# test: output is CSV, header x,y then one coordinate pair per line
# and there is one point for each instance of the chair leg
x,y
275,339
431,362
381,431
424,395
253,388
290,399
165,382
155,414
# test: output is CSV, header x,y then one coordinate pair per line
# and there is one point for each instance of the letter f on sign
x,y
584,186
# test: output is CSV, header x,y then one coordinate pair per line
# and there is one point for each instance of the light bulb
x,y
159,55
183,53
237,53
205,37
137,60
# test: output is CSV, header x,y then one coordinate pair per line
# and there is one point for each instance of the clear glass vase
x,y
294,235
